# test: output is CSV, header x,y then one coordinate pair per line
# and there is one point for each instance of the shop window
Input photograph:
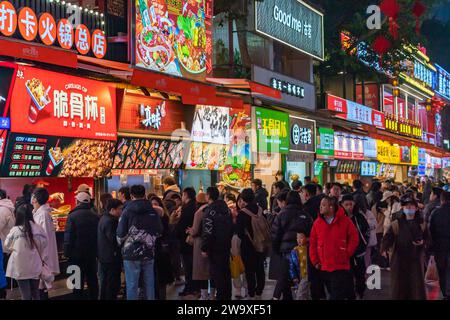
x,y
388,100
401,106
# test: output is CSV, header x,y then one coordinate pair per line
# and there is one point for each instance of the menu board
x,y
174,37
370,148
45,156
325,143
137,153
368,169
207,156
348,146
211,124
351,167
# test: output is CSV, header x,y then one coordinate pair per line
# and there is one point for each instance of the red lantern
x,y
381,45
418,11
391,8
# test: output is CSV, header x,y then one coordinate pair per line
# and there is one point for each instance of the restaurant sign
x,y
272,130
387,153
325,143
211,124
50,103
348,146
302,135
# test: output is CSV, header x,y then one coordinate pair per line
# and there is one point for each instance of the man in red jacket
x,y
333,242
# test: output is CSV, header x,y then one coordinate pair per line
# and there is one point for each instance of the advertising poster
x,y
348,146
405,155
272,129
414,156
211,124
137,153
371,95
368,169
370,148
174,37
207,156
45,156
422,167
237,171
325,143
302,135
57,104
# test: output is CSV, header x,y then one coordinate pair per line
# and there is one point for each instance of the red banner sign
x,y
50,103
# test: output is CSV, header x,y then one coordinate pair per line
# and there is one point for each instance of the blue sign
x,y
422,167
5,123
442,83
368,169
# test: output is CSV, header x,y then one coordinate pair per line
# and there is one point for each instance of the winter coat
x,y
361,224
139,227
170,191
287,224
200,270
407,260
429,208
2,272
427,189
43,217
108,248
373,197
217,229
312,206
25,261
372,221
163,265
392,209
360,199
7,218
261,198
186,220
80,236
244,229
440,229
332,245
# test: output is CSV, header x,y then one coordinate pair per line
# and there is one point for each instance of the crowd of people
x,y
316,241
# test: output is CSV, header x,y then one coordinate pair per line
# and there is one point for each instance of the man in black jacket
x,y
80,244
139,227
261,194
311,199
359,195
440,235
216,242
187,251
109,256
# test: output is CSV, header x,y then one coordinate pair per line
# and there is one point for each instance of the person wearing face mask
x,y
405,240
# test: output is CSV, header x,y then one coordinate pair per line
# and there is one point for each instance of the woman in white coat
x,y
27,243
42,216
393,207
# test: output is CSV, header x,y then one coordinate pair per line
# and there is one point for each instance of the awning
x,y
247,87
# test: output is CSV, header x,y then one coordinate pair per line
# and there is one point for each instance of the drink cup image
x,y
56,158
39,98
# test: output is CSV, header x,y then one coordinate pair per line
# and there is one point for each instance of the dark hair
x,y
170,181
307,179
2,194
311,189
296,185
257,182
104,198
319,188
157,199
137,191
230,197
41,195
126,192
27,191
328,185
282,196
248,196
175,195
376,186
357,184
190,192
113,204
151,195
336,184
279,185
293,198
347,197
445,196
161,203
24,215
437,191
213,193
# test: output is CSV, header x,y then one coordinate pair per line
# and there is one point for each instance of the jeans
x,y
29,289
88,268
133,270
339,284
283,286
110,281
219,267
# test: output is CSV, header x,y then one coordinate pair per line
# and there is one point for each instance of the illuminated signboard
x,y
211,124
302,134
325,143
368,169
442,84
174,37
348,146
7,79
272,129
288,88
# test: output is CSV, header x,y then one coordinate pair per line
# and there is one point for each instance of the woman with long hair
x,y
27,243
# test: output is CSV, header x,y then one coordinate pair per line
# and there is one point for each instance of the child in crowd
x,y
299,268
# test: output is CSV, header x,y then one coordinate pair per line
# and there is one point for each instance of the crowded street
x,y
228,153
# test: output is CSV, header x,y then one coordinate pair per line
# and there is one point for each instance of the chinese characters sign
x,y
272,129
387,153
371,95
302,134
355,112
293,23
44,25
325,143
370,148
211,124
174,37
50,103
348,146
442,85
287,87
368,169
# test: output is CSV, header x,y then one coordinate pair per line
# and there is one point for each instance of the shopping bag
x,y
236,267
432,274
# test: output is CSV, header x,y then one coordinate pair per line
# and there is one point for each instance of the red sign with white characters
x,y
28,24
99,43
47,29
8,18
65,34
50,103
355,112
82,39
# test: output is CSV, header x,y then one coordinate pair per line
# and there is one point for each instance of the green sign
x,y
272,129
325,143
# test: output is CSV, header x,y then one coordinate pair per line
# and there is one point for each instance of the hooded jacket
x,y
170,190
7,219
139,227
217,229
261,198
332,245
108,248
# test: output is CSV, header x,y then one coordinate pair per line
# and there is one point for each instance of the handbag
x,y
46,275
432,275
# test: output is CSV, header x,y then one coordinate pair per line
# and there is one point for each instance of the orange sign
x,y
99,43
8,18
28,24
82,39
47,29
65,34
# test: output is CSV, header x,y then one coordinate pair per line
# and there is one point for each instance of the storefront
x,y
349,151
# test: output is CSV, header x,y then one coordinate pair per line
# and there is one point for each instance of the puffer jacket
x,y
312,206
217,229
7,219
332,245
287,224
440,229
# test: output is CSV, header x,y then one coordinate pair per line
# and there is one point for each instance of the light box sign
x,y
414,155
293,23
302,135
370,148
405,155
355,112
50,103
422,167
7,79
348,146
325,143
207,156
442,84
272,129
174,37
211,124
368,169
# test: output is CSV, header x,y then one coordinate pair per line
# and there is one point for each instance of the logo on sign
x,y
295,134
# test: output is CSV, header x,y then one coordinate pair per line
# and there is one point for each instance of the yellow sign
x,y
414,155
395,154
383,151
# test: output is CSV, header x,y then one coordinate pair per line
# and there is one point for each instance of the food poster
x,y
237,171
138,153
45,156
211,124
57,104
174,37
207,156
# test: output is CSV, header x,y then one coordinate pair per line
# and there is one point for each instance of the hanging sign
x,y
325,143
272,129
302,134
